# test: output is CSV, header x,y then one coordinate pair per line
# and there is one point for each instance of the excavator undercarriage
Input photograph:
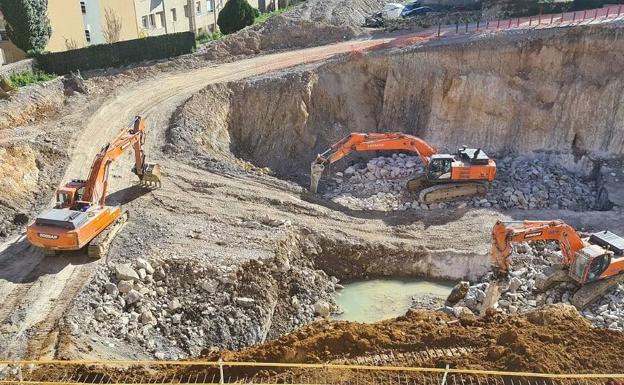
x,y
429,193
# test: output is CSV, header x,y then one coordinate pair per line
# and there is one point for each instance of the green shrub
x,y
27,23
23,79
205,37
267,15
117,54
236,15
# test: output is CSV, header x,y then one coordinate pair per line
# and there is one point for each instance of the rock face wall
x,y
534,91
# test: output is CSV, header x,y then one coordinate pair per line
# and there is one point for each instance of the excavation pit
x,y
380,299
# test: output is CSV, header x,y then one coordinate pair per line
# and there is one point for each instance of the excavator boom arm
x,y
372,142
369,142
97,184
506,233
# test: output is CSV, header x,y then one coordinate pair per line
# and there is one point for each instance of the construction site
x,y
309,201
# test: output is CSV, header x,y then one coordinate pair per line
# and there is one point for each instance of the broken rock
x,y
125,272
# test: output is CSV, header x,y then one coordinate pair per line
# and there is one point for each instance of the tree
x,y
112,26
235,15
27,23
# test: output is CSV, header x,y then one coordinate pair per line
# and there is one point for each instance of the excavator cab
x,y
440,167
68,195
589,264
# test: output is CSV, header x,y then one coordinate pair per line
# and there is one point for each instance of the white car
x,y
392,11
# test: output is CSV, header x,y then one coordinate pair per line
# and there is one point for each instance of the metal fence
x,y
199,372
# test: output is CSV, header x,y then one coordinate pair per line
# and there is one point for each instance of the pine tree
x,y
27,23
236,15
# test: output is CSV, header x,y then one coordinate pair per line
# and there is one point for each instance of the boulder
x,y
133,296
125,286
147,318
322,309
125,272
458,293
143,264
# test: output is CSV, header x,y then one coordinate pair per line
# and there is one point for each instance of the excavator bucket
x,y
315,176
151,175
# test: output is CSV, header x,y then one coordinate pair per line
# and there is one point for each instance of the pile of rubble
x,y
521,183
176,308
520,295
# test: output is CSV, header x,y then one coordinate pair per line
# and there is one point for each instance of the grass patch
x,y
205,37
26,78
267,15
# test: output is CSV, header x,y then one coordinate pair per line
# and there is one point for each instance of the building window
x,y
174,17
83,7
209,6
88,35
198,6
161,17
3,35
145,22
152,20
186,11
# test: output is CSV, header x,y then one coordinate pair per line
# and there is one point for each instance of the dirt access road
x,y
35,291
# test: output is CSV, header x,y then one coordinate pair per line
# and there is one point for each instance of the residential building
x,y
9,53
77,24
158,17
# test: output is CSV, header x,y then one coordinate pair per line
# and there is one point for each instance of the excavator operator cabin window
x,y
63,199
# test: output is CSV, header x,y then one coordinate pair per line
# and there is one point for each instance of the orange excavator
x,y
81,216
446,177
595,263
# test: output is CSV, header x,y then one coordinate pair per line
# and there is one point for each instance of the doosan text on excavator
x,y
81,216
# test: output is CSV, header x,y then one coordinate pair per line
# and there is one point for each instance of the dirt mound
x,y
314,22
555,339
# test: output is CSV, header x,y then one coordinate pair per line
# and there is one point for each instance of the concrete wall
x,y
26,65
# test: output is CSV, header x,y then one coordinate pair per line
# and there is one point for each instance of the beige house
x,y
79,23
157,17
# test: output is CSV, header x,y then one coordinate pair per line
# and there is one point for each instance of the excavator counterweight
x,y
446,177
81,216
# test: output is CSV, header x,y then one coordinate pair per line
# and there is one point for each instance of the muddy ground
x,y
241,254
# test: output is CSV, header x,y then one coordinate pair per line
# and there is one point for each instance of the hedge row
x,y
117,54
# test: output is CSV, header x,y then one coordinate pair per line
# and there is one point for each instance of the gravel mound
x,y
312,23
521,183
172,308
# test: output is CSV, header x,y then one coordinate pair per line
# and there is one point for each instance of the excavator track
x,y
590,292
451,191
98,247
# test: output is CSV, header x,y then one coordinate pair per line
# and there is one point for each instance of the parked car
x,y
411,6
392,10
420,11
